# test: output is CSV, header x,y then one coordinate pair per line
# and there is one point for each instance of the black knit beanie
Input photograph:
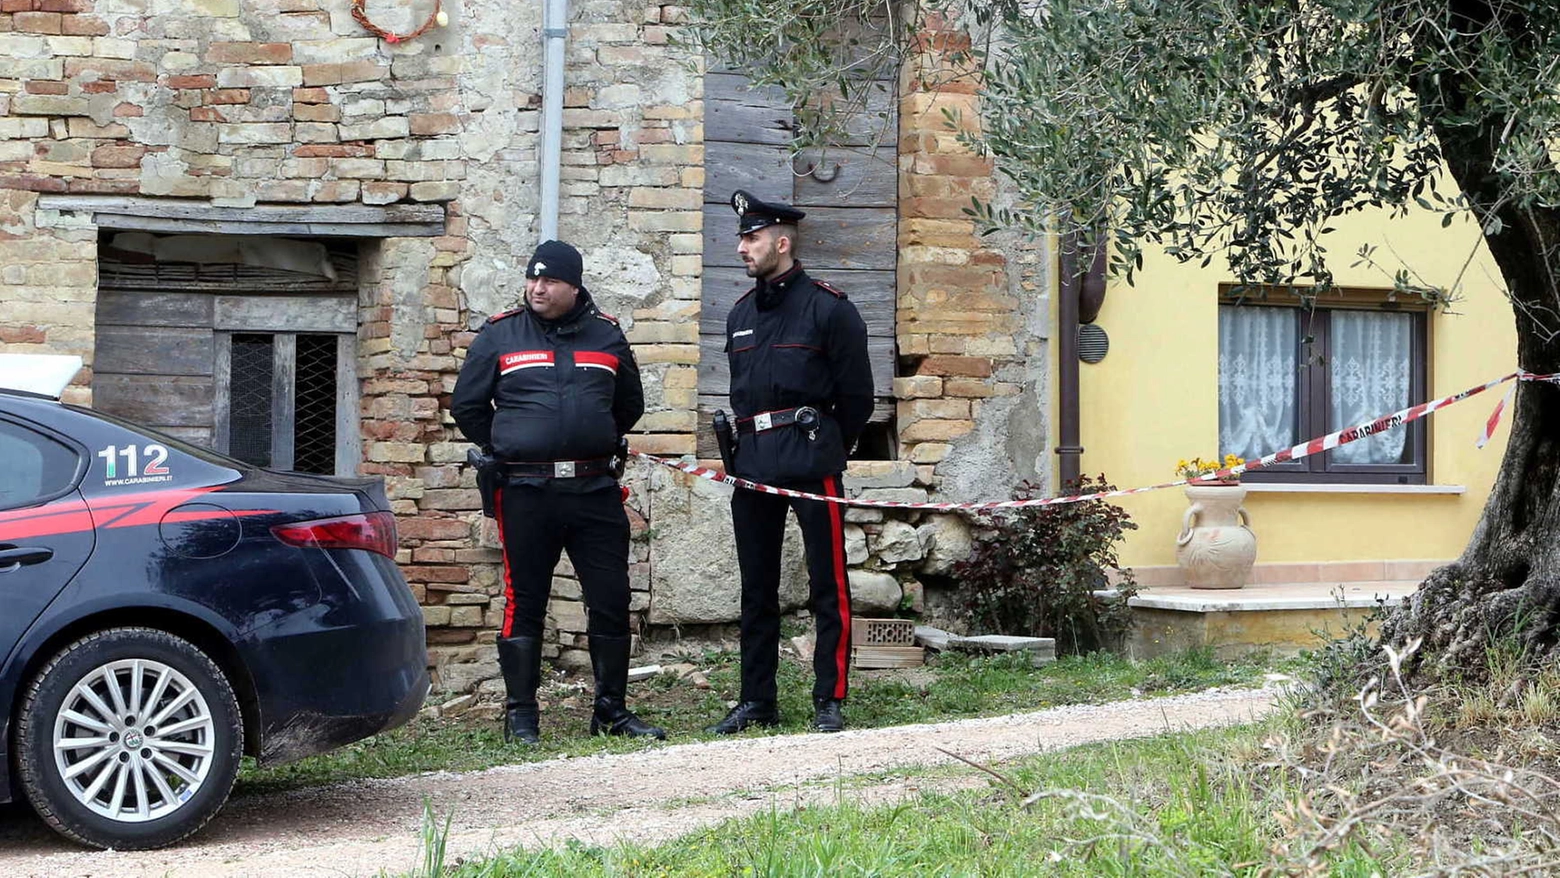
x,y
558,261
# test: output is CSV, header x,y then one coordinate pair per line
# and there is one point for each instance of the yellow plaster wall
x,y
1154,400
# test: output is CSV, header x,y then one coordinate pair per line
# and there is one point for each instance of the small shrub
x,y
1040,571
1387,772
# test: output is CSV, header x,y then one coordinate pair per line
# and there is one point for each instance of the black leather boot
x,y
520,659
828,715
609,659
747,713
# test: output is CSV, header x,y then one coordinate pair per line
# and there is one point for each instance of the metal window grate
x,y
314,419
250,410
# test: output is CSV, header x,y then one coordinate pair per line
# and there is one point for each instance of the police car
x,y
165,609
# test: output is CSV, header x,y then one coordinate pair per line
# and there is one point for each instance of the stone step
x,y
1275,596
932,638
1041,649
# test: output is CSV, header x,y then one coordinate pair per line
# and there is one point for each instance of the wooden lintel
x,y
247,227
183,215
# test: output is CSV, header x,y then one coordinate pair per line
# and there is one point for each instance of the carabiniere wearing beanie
x,y
558,261
549,390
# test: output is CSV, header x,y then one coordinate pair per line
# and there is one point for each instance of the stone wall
x,y
631,186
973,311
292,102
257,102
48,283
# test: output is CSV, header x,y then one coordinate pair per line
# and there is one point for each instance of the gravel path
x,y
362,827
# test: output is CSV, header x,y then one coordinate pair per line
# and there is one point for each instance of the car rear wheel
x,y
129,738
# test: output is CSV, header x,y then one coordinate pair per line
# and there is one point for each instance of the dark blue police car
x,y
165,609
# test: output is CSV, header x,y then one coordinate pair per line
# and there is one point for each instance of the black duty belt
x,y
805,417
559,469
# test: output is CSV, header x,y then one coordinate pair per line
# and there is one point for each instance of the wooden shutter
x,y
164,340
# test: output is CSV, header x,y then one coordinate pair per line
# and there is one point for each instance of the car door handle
x,y
12,557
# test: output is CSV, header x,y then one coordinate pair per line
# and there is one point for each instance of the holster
x,y
489,479
620,458
726,439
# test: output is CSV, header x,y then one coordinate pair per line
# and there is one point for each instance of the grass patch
x,y
1332,785
1180,804
953,686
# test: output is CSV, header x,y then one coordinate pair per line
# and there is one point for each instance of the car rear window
x,y
33,467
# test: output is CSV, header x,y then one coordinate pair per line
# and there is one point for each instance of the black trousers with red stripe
x,y
759,522
537,522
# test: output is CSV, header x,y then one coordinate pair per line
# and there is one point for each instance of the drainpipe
x,y
555,29
1067,447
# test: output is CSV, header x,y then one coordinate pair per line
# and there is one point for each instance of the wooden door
x,y
849,237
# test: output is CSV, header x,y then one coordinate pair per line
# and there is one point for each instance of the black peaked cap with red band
x,y
753,214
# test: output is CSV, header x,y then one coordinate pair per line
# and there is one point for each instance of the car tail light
x,y
374,531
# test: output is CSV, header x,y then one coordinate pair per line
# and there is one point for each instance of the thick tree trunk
x,y
1507,582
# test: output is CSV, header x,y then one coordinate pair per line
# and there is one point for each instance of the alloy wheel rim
x,y
134,740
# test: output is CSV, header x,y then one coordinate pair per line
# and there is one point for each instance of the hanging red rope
x,y
435,19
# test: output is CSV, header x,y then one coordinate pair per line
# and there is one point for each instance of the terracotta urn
x,y
1216,547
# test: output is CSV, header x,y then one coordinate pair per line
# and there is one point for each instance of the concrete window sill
x,y
1315,488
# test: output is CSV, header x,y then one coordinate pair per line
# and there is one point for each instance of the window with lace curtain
x,y
1289,373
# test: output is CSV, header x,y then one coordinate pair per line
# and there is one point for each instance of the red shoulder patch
x,y
826,288
502,314
607,317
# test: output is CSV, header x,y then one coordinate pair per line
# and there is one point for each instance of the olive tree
x,y
1237,131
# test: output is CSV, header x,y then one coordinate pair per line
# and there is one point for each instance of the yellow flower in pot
x,y
1197,468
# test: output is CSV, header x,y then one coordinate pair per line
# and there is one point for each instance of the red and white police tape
x,y
1304,449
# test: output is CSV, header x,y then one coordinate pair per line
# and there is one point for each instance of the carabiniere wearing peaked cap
x,y
802,393
753,214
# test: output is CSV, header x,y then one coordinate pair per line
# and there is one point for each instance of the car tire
x,y
98,768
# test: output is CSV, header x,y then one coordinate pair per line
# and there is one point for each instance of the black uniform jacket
x,y
794,341
535,390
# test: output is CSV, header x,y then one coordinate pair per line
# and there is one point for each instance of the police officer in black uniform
x,y
548,390
801,387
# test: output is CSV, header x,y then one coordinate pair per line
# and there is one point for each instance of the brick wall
x,y
962,339
292,102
